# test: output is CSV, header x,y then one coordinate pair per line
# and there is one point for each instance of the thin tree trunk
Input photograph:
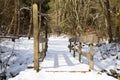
x,y
46,37
18,19
8,29
39,15
108,17
30,26
15,18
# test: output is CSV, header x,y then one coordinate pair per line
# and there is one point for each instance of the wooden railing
x,y
42,51
87,39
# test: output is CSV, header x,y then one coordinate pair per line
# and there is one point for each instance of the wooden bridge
x,y
42,38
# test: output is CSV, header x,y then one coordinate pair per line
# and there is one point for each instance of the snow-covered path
x,y
60,65
58,57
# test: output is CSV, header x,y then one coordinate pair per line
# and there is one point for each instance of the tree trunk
x,y
108,17
9,27
39,15
46,37
30,26
18,19
15,18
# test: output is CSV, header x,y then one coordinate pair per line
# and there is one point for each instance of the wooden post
x,y
46,37
80,51
91,63
36,37
43,51
70,45
74,48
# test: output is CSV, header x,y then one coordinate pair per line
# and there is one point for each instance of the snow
x,y
18,54
59,63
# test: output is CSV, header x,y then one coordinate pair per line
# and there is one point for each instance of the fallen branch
x,y
15,37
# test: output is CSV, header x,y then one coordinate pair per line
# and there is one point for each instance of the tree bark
x,y
108,17
18,19
30,25
39,15
15,18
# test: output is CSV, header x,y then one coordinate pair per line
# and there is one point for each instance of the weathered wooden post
x,y
91,63
75,48
36,37
70,45
80,52
46,37
43,50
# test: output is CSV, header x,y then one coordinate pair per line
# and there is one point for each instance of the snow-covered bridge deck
x,y
58,58
60,65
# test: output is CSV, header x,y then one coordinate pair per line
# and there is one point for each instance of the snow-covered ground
x,y
15,56
58,63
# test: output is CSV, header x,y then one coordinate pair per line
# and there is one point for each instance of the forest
x,y
62,16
